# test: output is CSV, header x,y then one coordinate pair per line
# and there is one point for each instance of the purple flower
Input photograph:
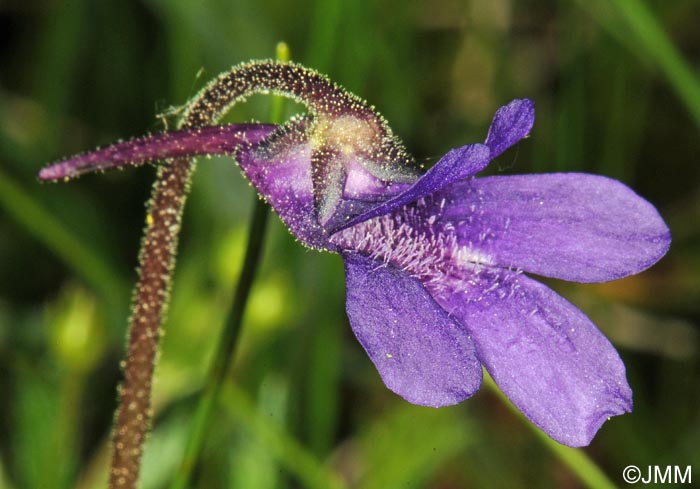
x,y
435,282
436,264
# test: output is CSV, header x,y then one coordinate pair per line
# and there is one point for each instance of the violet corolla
x,y
436,262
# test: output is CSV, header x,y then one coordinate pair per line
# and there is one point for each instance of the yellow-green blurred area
x,y
617,90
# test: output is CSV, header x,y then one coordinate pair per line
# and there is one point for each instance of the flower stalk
x,y
226,348
156,264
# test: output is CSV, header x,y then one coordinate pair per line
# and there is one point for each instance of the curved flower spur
x,y
436,262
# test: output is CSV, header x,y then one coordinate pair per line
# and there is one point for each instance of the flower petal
x,y
577,227
420,353
511,123
206,140
456,165
545,355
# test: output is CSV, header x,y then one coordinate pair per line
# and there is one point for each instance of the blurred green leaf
x,y
410,446
289,453
45,417
576,459
87,262
649,41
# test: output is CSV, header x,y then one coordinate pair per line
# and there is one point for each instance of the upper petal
x,y
511,123
578,227
420,353
545,355
456,165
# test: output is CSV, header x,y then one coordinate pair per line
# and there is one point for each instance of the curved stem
x,y
231,332
159,245
156,261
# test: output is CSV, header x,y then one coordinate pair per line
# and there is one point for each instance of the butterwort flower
x,y
436,285
436,264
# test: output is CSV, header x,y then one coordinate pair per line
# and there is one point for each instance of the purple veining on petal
x,y
204,141
545,355
578,227
420,353
511,123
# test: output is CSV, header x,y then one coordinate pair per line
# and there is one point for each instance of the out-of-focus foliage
x,y
614,84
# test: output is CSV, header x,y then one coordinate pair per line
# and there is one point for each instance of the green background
x,y
617,92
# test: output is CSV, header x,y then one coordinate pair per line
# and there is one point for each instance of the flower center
x,y
409,239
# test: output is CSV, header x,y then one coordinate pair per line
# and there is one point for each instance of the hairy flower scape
x,y
437,264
